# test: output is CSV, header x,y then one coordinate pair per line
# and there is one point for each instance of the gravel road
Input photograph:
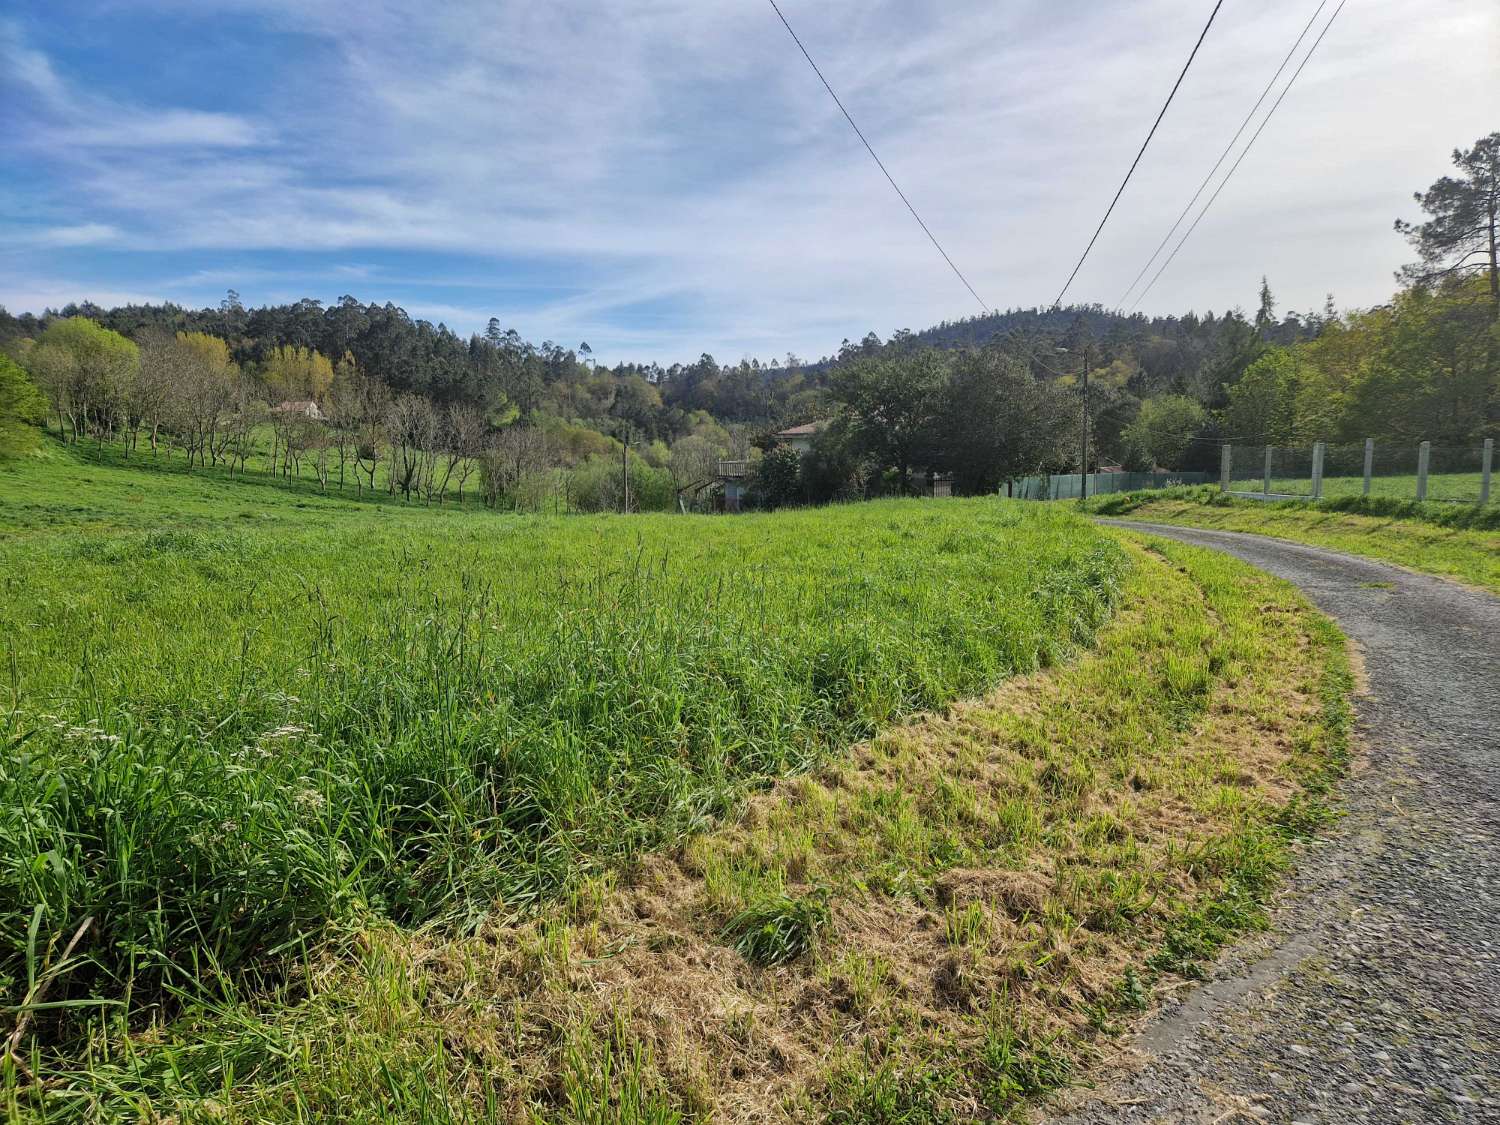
x,y
1376,996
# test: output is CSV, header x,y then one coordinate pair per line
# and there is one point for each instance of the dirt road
x,y
1376,997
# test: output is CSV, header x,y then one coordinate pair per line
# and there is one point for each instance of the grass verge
x,y
1460,541
945,923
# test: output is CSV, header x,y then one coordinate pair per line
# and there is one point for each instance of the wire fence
x,y
1069,486
1460,474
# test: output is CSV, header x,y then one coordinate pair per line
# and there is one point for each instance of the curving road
x,y
1376,996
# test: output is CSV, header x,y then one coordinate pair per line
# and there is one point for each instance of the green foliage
x,y
778,478
1163,431
778,928
87,371
1460,236
883,1093
22,409
892,404
1017,1062
596,486
997,421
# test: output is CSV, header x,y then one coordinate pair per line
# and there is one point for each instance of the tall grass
x,y
223,739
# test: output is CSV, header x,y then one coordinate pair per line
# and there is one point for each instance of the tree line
x,y
413,408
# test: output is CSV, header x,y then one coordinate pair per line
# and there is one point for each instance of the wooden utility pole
x,y
1083,476
625,473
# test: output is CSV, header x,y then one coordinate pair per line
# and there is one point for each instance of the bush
x,y
594,486
22,409
778,478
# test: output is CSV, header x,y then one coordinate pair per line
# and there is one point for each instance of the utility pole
x,y
1083,478
1083,467
625,473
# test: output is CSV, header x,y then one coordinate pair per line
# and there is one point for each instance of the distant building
x,y
305,407
735,476
800,437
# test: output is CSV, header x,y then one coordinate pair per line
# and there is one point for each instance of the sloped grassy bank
x,y
226,746
1453,540
939,926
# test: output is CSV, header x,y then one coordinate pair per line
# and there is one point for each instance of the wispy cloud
x,y
84,234
76,119
667,176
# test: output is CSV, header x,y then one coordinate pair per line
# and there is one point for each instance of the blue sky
x,y
665,177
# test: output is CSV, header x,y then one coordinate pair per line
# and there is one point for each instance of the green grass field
x,y
313,810
1460,541
238,715
303,475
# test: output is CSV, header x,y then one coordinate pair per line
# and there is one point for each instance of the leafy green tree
x,y
778,478
1461,236
87,371
1163,431
892,403
22,410
1432,370
997,422
294,372
1262,404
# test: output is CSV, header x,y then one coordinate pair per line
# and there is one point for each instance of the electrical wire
x,y
1244,152
1222,156
1110,210
880,163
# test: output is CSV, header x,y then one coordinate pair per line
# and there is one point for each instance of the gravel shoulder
x,y
1375,997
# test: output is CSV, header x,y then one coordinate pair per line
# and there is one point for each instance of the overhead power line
x,y
1243,153
881,164
1222,156
1144,144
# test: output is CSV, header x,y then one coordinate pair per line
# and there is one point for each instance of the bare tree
x,y
694,465
165,372
412,429
466,431
515,453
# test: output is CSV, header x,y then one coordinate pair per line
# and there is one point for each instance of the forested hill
x,y
1099,322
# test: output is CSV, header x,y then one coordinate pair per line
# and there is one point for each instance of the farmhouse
x,y
800,437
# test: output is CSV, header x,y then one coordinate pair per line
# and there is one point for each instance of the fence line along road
x,y
1452,473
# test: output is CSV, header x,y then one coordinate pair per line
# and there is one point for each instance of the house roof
x,y
296,404
807,429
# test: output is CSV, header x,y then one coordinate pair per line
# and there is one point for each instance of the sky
x,y
661,178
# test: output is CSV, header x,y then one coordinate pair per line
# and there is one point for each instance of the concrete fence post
x,y
1486,464
1369,462
1317,470
1265,484
1424,455
1226,458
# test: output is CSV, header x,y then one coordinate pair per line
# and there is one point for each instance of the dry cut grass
x,y
942,925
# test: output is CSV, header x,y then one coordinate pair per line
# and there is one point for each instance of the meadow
x,y
320,810
240,719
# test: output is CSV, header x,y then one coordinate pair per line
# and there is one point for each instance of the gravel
x,y
1376,996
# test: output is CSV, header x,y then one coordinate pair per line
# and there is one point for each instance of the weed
x,y
778,928
965,925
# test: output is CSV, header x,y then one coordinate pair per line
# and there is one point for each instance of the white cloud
x,y
84,234
62,116
46,293
680,152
